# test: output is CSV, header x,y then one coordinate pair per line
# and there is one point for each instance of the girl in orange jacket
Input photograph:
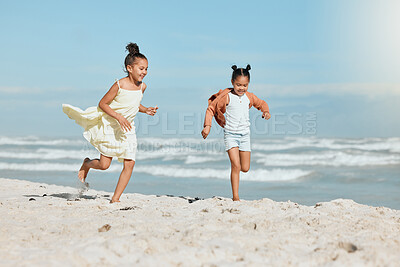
x,y
230,107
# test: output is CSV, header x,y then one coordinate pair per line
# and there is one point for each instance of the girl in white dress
x,y
109,127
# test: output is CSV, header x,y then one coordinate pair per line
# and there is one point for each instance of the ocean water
x,y
305,170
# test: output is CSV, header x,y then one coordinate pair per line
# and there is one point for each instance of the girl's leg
x,y
123,179
234,157
100,164
244,160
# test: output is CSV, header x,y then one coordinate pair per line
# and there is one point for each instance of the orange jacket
x,y
217,106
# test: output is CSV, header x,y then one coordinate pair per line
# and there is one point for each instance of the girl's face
x,y
240,85
138,70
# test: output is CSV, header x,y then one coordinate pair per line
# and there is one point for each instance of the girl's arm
x,y
104,105
142,108
208,117
212,105
261,105
210,111
150,110
208,120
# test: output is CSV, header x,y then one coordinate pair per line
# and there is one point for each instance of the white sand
x,y
169,231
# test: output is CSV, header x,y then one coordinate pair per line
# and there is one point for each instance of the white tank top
x,y
237,114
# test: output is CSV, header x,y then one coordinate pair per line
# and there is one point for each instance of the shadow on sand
x,y
67,196
189,199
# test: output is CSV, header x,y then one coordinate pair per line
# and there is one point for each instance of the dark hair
x,y
133,50
240,72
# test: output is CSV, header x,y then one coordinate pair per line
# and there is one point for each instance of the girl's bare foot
x,y
235,199
83,171
113,201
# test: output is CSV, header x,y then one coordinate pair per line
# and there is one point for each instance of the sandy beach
x,y
49,225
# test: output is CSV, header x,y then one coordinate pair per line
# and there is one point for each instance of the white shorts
x,y
240,140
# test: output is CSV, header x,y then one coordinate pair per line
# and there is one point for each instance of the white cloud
x,y
18,90
334,89
249,57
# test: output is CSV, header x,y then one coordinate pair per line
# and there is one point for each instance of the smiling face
x,y
240,85
138,70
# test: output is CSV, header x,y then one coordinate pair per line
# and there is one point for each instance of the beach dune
x,y
49,225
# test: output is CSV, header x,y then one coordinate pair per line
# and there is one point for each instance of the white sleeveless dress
x,y
103,131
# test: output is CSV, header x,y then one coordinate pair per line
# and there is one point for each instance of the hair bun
x,y
248,67
234,67
132,48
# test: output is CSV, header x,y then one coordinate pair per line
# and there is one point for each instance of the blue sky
x,y
336,59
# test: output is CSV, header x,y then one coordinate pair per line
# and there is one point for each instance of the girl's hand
x,y
124,123
151,111
205,131
266,115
